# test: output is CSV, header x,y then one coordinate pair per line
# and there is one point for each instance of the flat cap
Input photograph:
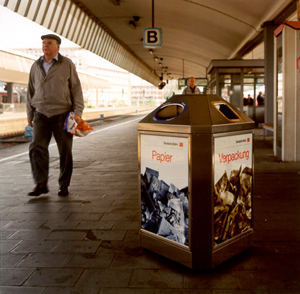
x,y
52,36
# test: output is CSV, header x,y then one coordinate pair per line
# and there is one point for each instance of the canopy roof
x,y
194,32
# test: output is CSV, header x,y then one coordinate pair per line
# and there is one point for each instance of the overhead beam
x,y
258,38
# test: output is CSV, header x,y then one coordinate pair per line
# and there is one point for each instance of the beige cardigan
x,y
57,92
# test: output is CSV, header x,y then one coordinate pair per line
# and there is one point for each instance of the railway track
x,y
10,140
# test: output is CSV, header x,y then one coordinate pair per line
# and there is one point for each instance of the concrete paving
x,y
88,242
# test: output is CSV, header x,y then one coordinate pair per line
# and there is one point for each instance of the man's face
x,y
192,82
50,47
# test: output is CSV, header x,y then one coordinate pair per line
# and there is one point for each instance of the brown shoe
x,y
38,190
63,191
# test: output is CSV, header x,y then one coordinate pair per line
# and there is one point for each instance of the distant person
x,y
54,90
191,88
250,100
245,101
260,99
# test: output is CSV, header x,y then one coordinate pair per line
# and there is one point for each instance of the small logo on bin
x,y
248,139
180,144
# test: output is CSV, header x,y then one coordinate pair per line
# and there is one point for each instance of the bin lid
x,y
196,114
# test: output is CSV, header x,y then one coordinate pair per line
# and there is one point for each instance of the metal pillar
x,y
10,93
287,126
97,98
269,28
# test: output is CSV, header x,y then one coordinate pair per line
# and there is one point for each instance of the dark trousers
x,y
43,127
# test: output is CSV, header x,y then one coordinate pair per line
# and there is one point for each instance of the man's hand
x,y
77,118
30,123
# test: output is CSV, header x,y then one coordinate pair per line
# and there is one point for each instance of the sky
x,y
19,32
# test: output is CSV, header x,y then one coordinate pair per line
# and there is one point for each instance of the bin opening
x,y
169,111
229,113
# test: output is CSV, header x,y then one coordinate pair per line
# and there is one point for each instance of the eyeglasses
x,y
48,43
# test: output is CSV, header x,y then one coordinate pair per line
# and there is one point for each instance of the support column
x,y
290,95
269,28
287,37
218,90
242,91
10,93
97,98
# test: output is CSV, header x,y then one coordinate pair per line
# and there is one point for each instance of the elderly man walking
x,y
54,90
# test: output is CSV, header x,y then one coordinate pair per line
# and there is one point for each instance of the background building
x,y
122,89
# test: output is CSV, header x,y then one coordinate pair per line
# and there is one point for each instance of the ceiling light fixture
x,y
115,2
150,51
132,24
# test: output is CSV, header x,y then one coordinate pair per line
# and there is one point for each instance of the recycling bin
x,y
195,155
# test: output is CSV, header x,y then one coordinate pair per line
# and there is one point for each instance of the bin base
x,y
161,246
232,248
182,254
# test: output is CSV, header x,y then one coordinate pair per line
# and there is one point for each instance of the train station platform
x,y
87,242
